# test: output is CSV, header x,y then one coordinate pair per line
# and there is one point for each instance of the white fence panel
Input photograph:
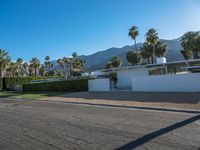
x,y
99,85
173,83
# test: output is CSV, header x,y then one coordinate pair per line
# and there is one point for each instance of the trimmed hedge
x,y
13,81
55,86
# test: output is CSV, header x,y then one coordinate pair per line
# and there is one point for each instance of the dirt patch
x,y
126,98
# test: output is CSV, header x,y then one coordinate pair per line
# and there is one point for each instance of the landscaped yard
x,y
29,95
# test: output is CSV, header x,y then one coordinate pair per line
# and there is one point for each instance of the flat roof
x,y
191,67
150,65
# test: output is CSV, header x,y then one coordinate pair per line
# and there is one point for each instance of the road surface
x,y
45,125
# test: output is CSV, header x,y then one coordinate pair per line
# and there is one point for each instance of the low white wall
x,y
99,85
124,77
174,83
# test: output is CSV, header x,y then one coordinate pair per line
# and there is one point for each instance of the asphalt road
x,y
40,125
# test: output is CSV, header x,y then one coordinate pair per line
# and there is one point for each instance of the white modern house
x,y
163,76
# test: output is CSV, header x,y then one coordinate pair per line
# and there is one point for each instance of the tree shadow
x,y
142,140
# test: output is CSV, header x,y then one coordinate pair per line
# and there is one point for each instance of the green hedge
x,y
13,81
65,85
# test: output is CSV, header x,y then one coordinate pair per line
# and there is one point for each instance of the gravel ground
x,y
127,98
46,125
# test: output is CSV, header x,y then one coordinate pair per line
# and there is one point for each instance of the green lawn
x,y
29,95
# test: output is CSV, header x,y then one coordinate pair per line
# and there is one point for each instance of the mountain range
x,y
99,59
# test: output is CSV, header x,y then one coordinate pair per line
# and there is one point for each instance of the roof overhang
x,y
150,65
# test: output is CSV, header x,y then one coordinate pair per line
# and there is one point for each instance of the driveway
x,y
46,125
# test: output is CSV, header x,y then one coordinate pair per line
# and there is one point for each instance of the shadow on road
x,y
169,97
142,140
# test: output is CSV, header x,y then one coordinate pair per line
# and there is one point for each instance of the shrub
x,y
54,86
11,82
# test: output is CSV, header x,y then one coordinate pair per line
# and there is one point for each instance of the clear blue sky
x,y
36,28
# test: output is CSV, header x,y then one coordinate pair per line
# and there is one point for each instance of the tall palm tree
x,y
152,39
4,60
35,63
133,33
189,41
133,57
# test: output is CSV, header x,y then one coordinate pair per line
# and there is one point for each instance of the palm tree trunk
x,y
35,72
195,54
152,59
148,61
154,54
135,45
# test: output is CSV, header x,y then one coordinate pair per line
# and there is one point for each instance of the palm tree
x,y
31,70
35,63
146,52
116,61
47,58
186,54
12,69
19,64
133,33
152,39
67,64
42,71
74,55
47,62
189,41
161,49
109,65
4,60
61,64
47,65
75,64
25,67
133,57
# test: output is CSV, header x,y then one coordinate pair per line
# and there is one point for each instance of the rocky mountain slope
x,y
99,59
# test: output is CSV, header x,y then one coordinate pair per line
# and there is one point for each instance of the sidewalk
x,y
134,99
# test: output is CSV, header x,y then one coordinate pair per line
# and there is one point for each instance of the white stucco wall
x,y
174,83
124,77
99,85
